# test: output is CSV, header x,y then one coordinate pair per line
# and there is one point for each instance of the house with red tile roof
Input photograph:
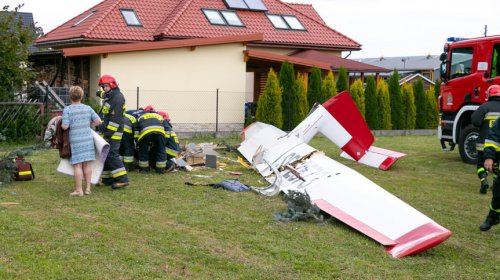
x,y
200,60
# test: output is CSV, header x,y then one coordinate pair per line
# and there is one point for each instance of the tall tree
x,y
420,104
384,103
302,107
287,82
269,104
14,41
314,90
409,116
396,101
329,88
371,104
342,80
358,96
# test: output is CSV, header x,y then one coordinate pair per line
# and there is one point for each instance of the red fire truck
x,y
468,68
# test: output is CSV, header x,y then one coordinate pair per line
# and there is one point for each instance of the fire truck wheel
x,y
467,144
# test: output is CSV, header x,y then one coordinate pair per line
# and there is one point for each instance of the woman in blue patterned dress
x,y
79,118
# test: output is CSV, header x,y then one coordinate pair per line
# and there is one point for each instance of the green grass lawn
x,y
159,228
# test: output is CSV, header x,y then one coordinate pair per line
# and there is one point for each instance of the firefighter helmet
x,y
493,90
164,115
108,79
149,108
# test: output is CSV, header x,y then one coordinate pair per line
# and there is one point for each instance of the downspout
x,y
348,54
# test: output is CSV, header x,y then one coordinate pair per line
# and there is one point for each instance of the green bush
x,y
269,105
314,89
358,96
437,88
329,88
371,104
409,109
287,83
302,107
420,104
432,111
343,80
396,103
28,126
384,103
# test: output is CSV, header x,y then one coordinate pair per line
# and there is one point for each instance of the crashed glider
x,y
289,163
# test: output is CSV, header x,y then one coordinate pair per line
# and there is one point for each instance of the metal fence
x,y
191,112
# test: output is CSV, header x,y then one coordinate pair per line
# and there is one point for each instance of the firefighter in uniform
x,y
491,155
151,135
127,145
484,117
172,144
114,172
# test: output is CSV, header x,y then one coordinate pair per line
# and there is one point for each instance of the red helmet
x,y
493,90
164,115
108,79
149,108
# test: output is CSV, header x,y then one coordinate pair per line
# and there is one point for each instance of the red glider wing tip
x,y
419,239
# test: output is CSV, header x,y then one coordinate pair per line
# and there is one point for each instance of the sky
x,y
383,27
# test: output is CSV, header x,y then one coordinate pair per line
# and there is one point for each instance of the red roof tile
x,y
336,61
174,19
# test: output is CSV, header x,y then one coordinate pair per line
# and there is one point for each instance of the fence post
x,y
137,98
217,112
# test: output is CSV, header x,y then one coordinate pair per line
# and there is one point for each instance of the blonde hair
x,y
75,93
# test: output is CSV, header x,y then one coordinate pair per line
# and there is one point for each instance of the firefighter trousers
x,y
127,147
495,191
156,142
114,171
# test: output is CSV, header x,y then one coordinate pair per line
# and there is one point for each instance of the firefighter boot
x,y
484,186
491,220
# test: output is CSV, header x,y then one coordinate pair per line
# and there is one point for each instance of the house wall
x,y
184,82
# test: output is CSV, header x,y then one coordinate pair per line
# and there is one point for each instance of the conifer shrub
x,y
342,80
302,108
314,89
396,103
420,104
329,87
287,83
384,105
358,96
371,104
269,105
432,111
409,109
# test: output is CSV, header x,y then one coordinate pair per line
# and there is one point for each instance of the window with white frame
x,y
256,5
130,17
285,22
217,17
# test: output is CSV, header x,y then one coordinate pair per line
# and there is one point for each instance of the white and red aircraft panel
x,y
287,162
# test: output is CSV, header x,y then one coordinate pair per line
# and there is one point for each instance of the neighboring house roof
x,y
405,63
182,19
409,78
28,22
336,62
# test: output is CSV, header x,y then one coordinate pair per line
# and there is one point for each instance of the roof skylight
x,y
285,22
256,5
130,17
85,18
217,17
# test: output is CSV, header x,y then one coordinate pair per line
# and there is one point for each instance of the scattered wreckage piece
x,y
289,164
